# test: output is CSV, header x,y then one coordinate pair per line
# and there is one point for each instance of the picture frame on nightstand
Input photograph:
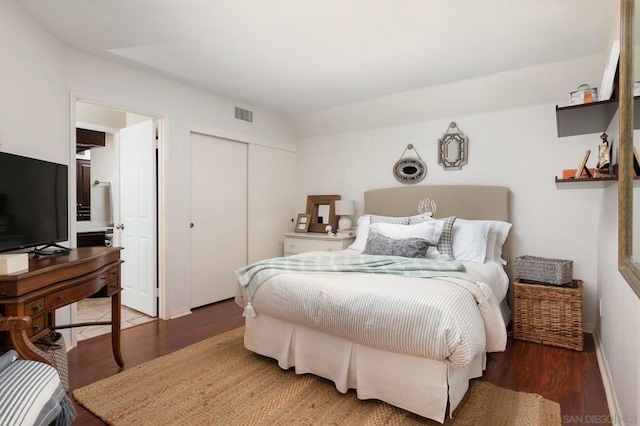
x,y
302,224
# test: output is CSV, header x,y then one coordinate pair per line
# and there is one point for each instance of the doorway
x,y
123,171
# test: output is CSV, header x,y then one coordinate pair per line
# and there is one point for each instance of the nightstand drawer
x,y
295,246
302,243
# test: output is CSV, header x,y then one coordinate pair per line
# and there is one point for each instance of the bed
x,y
412,338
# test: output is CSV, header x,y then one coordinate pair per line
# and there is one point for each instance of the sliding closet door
x,y
272,184
218,217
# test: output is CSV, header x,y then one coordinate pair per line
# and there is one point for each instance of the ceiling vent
x,y
244,114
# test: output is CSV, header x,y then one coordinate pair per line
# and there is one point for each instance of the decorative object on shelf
x,y
452,148
584,95
636,161
582,166
329,230
610,72
409,170
603,168
302,224
323,212
344,209
571,173
427,206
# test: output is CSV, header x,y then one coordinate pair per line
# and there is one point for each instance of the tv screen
x,y
33,202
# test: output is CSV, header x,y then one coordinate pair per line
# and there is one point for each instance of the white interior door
x,y
218,217
138,217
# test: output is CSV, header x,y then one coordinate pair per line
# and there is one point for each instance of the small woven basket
x,y
544,270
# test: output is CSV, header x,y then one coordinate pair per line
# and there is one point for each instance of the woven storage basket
x,y
544,270
548,314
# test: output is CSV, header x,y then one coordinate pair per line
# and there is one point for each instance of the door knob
x,y
120,226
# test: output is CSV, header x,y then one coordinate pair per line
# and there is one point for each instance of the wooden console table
x,y
56,281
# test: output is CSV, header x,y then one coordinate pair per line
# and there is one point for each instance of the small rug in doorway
x,y
217,381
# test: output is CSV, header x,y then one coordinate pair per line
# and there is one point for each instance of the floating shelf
x,y
593,117
590,182
585,183
583,119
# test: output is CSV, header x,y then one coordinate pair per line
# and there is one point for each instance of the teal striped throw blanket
x,y
252,276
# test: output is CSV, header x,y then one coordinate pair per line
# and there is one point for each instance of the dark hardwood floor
x,y
571,378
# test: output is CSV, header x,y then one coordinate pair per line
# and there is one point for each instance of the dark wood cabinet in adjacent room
x,y
83,189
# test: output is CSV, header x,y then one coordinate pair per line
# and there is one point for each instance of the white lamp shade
x,y
345,207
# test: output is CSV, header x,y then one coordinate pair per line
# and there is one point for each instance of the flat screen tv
x,y
33,202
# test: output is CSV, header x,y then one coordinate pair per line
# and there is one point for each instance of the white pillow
x,y
498,232
469,242
429,231
362,233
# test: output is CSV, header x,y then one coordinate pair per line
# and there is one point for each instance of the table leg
x,y
115,327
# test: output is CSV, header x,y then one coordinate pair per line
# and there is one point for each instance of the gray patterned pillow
x,y
389,219
378,244
445,245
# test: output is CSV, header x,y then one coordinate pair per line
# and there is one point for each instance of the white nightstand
x,y
298,242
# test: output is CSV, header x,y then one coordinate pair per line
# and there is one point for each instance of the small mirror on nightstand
x,y
323,212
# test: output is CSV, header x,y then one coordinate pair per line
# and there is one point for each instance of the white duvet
x,y
446,319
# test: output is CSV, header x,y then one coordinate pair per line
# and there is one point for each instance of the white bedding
x,y
435,318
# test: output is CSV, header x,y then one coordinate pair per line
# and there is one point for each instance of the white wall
x,y
36,82
34,106
619,327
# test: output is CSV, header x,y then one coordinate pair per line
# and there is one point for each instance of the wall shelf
x,y
590,182
593,117
585,183
583,119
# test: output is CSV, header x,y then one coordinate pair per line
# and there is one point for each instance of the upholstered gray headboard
x,y
475,202
466,201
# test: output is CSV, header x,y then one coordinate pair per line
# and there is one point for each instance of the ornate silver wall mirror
x,y
452,148
409,170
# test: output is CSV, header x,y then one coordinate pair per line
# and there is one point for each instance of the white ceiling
x,y
293,56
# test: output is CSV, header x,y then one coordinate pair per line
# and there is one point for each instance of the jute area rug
x,y
218,382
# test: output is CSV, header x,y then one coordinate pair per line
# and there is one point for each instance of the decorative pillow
x,y
445,245
380,245
400,220
498,232
470,240
363,227
429,230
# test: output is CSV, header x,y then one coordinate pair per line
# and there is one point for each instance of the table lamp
x,y
344,209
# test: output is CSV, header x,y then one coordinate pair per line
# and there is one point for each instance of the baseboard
x,y
607,381
179,313
588,328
